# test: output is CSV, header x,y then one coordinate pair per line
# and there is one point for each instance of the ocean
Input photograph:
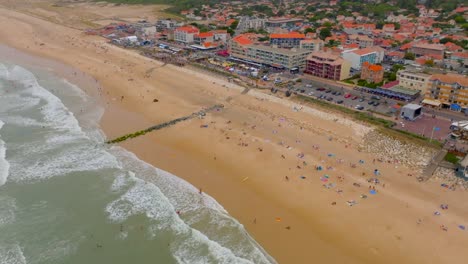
x,y
66,197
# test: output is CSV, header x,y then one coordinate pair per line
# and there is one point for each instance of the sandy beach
x,y
259,156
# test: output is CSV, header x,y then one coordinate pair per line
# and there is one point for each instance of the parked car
x,y
375,97
310,93
376,103
338,93
362,100
321,89
309,85
328,91
359,107
334,93
330,99
370,103
339,101
354,97
348,95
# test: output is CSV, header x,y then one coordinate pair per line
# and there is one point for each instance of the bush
x,y
452,158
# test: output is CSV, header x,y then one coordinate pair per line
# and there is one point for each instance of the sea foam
x,y
4,165
159,195
11,254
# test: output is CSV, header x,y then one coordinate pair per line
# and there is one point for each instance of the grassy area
x,y
452,158
384,126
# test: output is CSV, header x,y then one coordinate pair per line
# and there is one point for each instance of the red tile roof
x,y
242,40
188,29
288,35
461,54
205,35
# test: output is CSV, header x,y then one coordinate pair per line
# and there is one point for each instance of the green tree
x,y
409,56
325,33
309,30
429,63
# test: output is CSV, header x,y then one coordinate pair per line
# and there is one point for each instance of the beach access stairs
x,y
433,165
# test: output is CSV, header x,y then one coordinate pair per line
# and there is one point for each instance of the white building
x,y
357,57
185,34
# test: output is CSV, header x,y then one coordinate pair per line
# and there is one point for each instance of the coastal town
x,y
408,65
216,131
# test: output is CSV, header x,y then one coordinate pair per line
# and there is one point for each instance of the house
x,y
185,34
327,65
311,44
372,73
461,58
362,40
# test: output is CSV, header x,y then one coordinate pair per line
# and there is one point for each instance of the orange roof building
x,y
185,34
372,73
288,40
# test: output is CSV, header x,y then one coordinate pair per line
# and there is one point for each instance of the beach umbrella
x,y
373,192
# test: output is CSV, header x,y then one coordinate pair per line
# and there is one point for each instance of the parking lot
x,y
352,99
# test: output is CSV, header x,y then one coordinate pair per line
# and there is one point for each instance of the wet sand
x,y
238,157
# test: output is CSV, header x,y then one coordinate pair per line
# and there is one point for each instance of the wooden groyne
x,y
165,124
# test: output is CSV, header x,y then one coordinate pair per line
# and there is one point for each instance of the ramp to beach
x,y
429,170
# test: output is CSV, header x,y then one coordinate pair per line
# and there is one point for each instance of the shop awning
x,y
431,102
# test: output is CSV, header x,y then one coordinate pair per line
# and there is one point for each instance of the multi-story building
x,y
311,44
327,65
165,24
358,56
282,22
288,40
413,80
202,38
220,35
362,40
372,73
185,34
243,48
449,89
425,49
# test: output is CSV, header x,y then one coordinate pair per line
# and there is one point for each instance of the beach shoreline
x,y
237,158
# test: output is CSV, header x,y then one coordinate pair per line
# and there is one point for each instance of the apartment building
x,y
185,34
425,49
451,90
288,40
243,48
413,80
372,73
327,65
